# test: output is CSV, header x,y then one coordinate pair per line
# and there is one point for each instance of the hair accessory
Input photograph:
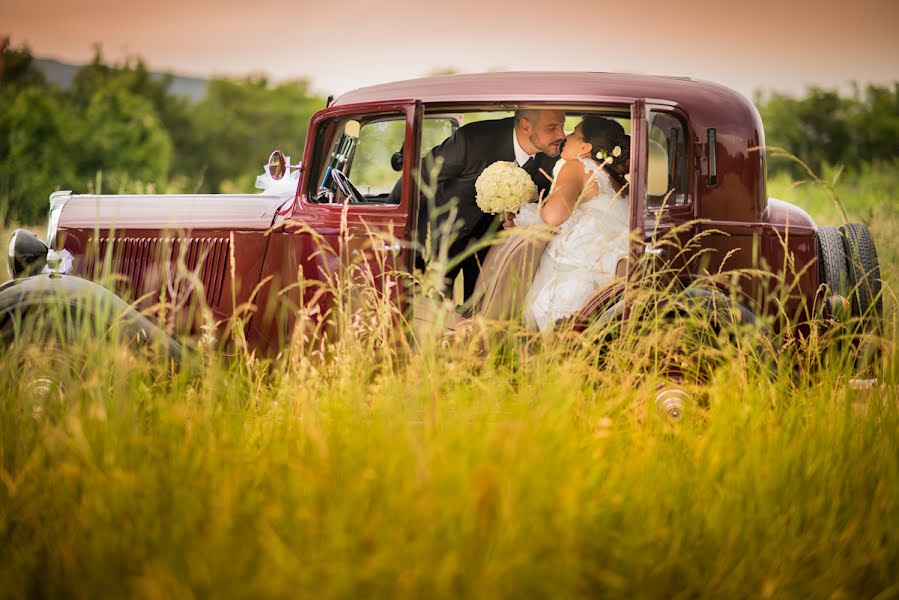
x,y
616,151
607,158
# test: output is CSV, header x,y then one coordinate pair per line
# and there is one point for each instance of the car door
x,y
662,208
669,225
356,225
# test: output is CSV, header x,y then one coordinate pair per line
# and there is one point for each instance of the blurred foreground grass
x,y
449,474
446,479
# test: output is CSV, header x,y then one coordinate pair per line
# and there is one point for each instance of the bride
x,y
590,210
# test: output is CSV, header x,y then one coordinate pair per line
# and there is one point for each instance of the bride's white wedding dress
x,y
583,254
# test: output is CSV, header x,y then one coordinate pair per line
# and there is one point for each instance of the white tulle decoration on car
x,y
285,187
64,263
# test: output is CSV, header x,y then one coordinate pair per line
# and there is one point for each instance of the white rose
x,y
504,187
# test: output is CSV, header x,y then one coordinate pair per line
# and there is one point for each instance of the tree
x,y
825,128
240,121
35,143
174,113
17,68
875,123
122,136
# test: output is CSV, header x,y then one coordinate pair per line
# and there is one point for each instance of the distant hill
x,y
62,74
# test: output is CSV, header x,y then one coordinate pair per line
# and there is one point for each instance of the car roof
x,y
706,106
557,87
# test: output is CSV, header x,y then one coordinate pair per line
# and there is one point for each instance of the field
x,y
365,469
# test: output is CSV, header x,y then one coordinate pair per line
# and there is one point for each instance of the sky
x,y
782,45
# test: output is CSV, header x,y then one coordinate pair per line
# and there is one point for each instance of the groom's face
x,y
546,133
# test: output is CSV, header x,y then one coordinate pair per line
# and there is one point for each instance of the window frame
x,y
323,129
685,210
331,131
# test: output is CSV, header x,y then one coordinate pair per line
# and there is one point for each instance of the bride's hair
x,y
604,135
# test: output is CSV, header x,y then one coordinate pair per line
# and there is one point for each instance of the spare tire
x,y
833,269
864,270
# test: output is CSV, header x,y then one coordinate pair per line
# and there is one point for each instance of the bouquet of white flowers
x,y
504,187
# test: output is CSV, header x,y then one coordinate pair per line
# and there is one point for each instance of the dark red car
x,y
697,169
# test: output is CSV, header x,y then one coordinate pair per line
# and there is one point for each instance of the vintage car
x,y
697,172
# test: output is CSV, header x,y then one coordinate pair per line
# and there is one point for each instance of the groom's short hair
x,y
531,114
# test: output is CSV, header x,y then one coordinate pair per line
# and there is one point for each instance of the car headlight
x,y
26,254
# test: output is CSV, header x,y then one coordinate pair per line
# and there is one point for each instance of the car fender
x,y
21,297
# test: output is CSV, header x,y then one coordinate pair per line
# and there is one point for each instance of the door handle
x,y
394,246
656,251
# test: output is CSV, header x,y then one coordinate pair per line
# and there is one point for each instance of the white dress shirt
x,y
521,156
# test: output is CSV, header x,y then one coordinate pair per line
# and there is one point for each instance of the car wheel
x,y
700,331
706,334
45,375
864,271
833,270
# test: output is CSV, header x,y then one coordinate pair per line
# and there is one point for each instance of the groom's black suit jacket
x,y
465,155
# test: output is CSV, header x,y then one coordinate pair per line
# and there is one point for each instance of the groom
x,y
532,139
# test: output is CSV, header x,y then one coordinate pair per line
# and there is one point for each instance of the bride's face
x,y
575,147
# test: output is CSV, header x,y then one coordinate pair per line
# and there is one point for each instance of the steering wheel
x,y
346,186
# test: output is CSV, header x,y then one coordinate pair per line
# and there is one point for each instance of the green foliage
x,y
18,69
825,128
173,113
132,75
122,136
36,143
240,121
121,121
442,481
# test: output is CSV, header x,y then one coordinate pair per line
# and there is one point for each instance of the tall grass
x,y
368,464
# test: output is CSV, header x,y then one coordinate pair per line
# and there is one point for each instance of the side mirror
x,y
26,254
396,159
277,165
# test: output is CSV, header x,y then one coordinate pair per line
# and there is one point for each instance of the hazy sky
x,y
343,44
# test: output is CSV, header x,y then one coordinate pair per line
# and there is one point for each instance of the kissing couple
x,y
585,203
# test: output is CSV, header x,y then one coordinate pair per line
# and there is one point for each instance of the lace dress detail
x,y
581,257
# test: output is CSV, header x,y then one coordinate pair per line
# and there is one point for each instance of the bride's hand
x,y
508,220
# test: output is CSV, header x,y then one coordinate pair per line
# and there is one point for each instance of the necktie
x,y
530,165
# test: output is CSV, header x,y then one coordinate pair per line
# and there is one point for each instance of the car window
x,y
436,129
666,177
368,150
572,119
361,149
371,171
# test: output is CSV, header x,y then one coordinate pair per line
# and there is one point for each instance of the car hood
x,y
182,211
